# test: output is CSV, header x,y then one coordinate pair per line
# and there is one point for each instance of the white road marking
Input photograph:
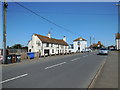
x,y
13,78
55,65
75,59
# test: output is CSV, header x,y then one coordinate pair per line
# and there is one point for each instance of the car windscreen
x,y
103,49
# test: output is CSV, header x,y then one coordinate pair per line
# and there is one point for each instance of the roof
x,y
46,39
95,45
80,39
118,36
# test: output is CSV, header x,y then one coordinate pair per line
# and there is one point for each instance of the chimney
x,y
49,35
64,38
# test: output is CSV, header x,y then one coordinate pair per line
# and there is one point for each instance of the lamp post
x,y
4,32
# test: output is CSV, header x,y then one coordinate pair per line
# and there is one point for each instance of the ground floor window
x,y
52,50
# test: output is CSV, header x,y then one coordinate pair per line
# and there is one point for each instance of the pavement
x,y
65,71
108,77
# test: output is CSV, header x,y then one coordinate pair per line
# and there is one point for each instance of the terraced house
x,y
46,45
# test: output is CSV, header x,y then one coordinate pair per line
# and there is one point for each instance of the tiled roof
x,y
118,36
80,39
51,40
95,45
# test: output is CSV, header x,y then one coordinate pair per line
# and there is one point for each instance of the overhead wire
x,y
49,21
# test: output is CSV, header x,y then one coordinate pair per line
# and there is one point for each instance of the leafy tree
x,y
17,46
8,47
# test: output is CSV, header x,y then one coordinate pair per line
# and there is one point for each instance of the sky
x,y
98,20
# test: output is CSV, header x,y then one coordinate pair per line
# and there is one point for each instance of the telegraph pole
x,y
4,32
93,40
90,40
118,16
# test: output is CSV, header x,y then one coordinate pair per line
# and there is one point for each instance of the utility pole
x,y
90,40
118,16
4,32
93,40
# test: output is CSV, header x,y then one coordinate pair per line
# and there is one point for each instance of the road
x,y
66,71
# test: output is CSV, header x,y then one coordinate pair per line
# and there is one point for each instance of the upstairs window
x,y
78,43
51,45
38,43
47,44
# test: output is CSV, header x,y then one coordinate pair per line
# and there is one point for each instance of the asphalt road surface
x,y
66,71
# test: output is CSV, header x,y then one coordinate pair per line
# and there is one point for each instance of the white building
x,y
71,48
118,41
46,45
79,44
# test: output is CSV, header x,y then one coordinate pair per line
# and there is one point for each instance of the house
x,y
112,47
97,45
117,41
46,45
71,48
79,44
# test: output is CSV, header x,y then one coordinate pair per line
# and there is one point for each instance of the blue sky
x,y
95,19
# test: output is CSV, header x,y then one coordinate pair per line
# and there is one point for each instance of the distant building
x,y
46,45
117,41
79,44
97,45
112,47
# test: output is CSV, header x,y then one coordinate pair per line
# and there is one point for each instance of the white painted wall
x,y
83,45
33,44
35,48
118,44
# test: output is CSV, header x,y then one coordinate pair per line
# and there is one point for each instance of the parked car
x,y
86,50
103,51
83,51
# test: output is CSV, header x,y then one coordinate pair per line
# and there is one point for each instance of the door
x,y
46,52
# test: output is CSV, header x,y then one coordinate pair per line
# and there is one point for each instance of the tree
x,y
17,46
8,47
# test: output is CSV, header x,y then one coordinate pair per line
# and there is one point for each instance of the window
x,y
78,48
52,50
103,49
58,46
51,45
47,44
78,43
38,43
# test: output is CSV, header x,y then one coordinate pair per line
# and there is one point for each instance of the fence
x,y
17,50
